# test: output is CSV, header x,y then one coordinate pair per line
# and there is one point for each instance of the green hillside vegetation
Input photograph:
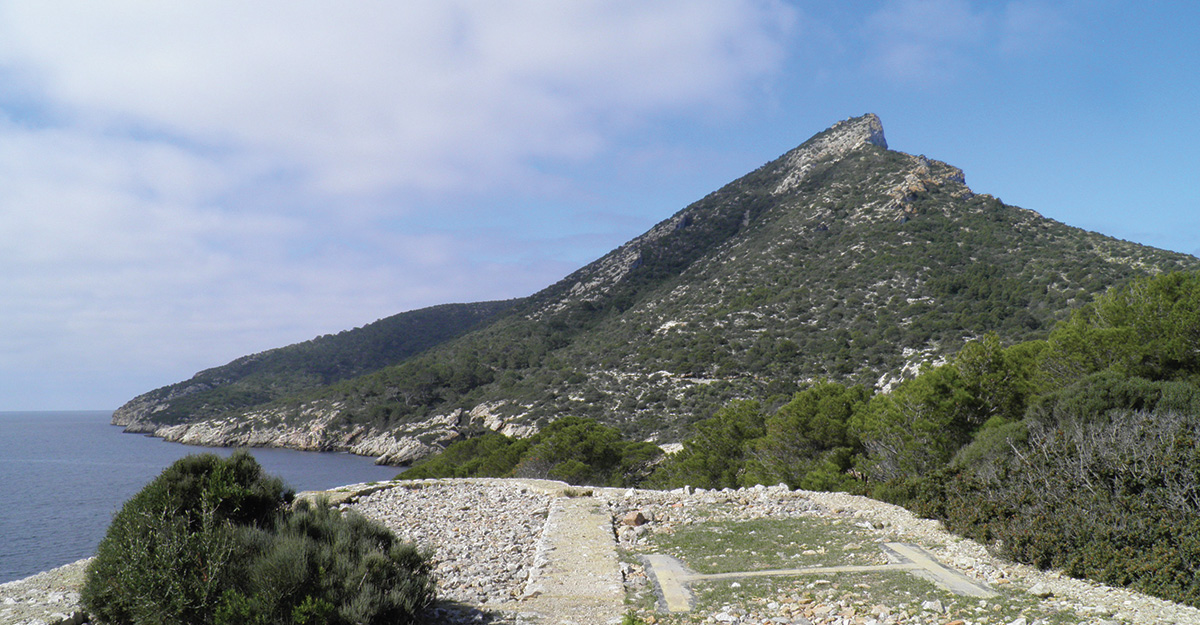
x,y
1079,452
751,291
261,378
572,449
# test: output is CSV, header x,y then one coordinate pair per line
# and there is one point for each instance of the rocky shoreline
x,y
489,541
266,429
319,427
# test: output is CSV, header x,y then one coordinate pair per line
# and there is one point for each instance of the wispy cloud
x,y
378,94
182,183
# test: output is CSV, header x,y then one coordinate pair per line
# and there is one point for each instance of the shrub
x,y
573,449
214,540
173,549
716,456
326,566
807,444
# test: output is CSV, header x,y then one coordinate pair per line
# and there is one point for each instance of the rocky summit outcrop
x,y
836,142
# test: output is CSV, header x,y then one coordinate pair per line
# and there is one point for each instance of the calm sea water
x,y
64,474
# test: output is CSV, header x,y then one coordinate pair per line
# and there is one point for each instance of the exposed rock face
x,y
836,142
317,430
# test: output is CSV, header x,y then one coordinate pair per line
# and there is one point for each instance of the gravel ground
x,y
486,536
483,534
50,597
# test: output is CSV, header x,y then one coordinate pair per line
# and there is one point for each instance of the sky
x,y
184,183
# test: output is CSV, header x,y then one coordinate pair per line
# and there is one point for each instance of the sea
x,y
63,475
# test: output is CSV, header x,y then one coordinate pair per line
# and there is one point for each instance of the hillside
x,y
260,378
841,259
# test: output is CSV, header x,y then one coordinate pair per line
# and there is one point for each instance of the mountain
x,y
841,259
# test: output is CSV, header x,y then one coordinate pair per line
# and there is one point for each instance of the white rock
x,y
1041,590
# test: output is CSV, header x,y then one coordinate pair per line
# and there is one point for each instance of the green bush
x,y
716,456
572,449
1112,497
214,540
807,444
326,566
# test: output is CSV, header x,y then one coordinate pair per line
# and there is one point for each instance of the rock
x,y
933,606
634,519
486,534
1041,590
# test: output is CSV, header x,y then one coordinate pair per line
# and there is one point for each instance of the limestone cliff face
x,y
319,428
836,142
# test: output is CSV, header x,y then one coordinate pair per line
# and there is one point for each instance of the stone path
x,y
579,578
672,577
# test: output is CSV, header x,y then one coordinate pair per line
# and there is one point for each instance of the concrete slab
x,y
672,577
929,568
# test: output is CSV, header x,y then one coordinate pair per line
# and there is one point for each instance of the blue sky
x,y
185,183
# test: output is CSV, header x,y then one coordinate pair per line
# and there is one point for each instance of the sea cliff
x,y
319,426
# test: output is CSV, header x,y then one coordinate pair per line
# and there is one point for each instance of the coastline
x,y
65,473
269,429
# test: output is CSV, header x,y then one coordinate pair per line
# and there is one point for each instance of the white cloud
x,y
363,96
181,183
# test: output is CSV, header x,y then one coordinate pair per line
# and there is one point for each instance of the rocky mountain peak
x,y
856,131
835,142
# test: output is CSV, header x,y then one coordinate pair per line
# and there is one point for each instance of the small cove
x,y
64,474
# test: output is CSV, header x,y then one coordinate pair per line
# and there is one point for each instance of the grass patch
x,y
762,544
857,595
